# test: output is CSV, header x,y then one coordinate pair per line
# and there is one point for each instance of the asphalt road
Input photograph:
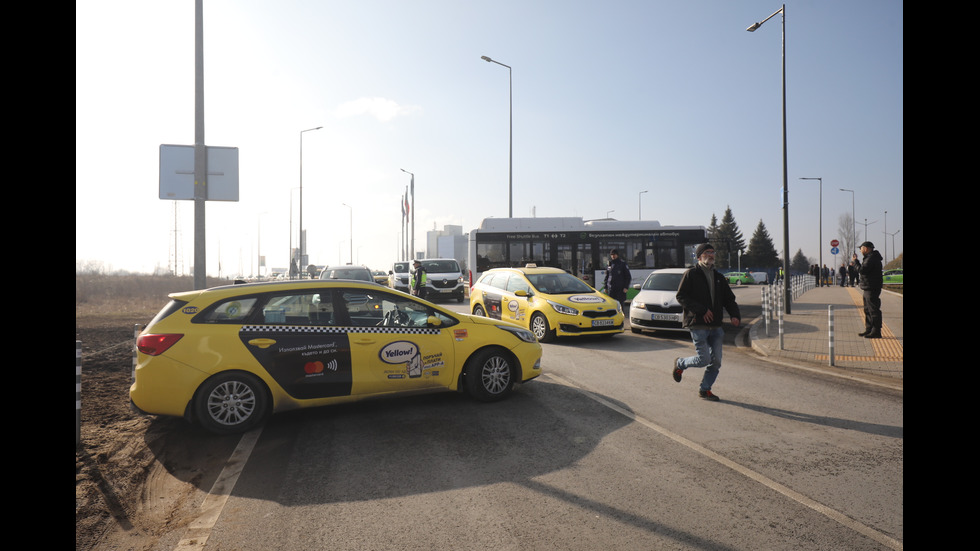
x,y
603,451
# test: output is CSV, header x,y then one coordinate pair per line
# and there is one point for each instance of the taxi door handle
x,y
262,343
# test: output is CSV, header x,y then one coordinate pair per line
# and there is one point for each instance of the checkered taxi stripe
x,y
305,329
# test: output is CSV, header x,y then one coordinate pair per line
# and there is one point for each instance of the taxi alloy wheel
x,y
231,402
539,326
489,375
478,311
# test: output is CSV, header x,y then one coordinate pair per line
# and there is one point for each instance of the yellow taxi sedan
x,y
548,301
227,357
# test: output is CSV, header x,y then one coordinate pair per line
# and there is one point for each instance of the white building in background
x,y
449,242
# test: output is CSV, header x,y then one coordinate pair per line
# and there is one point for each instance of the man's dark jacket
x,y
871,278
695,297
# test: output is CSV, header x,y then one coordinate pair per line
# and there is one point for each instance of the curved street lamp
x,y
787,293
301,243
510,208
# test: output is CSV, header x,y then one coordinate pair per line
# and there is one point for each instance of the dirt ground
x,y
126,494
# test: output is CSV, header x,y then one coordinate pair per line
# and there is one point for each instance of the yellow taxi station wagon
x,y
549,301
229,356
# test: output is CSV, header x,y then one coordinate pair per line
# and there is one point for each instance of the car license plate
x,y
665,317
601,323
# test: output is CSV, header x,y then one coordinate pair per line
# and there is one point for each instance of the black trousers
x,y
872,309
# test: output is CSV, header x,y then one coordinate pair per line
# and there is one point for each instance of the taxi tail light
x,y
154,345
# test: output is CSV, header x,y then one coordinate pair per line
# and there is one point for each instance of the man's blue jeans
x,y
707,344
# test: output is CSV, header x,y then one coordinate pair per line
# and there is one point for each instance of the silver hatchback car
x,y
655,307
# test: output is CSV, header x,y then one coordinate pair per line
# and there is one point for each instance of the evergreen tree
x,y
728,241
713,230
800,263
762,252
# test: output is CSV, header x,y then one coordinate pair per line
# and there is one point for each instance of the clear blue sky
x,y
610,98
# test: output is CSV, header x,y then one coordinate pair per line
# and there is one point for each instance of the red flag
x,y
406,209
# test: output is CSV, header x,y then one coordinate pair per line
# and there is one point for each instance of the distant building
x,y
449,242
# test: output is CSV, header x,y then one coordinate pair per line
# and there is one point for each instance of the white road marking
x,y
199,530
769,483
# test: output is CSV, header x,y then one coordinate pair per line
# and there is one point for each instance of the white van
x,y
444,279
399,276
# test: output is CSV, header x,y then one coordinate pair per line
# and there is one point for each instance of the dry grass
x,y
125,296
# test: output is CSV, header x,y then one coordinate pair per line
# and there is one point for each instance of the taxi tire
x,y
539,326
245,390
490,375
478,311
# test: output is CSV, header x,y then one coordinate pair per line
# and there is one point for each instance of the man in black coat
x,y
703,294
618,278
870,282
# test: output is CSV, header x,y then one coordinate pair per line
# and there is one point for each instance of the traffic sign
x,y
834,243
834,251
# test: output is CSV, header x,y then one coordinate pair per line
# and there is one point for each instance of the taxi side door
x,y
397,343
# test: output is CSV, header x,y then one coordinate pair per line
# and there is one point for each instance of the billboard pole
x,y
200,150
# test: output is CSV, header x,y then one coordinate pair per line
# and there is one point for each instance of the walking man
x,y
870,282
703,294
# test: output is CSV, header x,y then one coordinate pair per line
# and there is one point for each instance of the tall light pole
x,y
412,213
820,221
301,243
787,291
894,256
510,193
853,220
351,232
639,204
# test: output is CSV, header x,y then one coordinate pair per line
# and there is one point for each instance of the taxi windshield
x,y
558,284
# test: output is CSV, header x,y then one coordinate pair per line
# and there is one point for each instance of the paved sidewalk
x,y
806,335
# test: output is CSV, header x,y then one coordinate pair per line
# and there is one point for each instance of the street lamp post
x,y
301,244
853,220
787,291
412,213
820,221
510,193
639,204
351,232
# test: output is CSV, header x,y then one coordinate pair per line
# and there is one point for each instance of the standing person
x,y
842,273
618,278
419,278
852,270
871,282
293,269
703,293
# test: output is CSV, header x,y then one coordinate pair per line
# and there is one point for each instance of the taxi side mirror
x,y
521,293
433,321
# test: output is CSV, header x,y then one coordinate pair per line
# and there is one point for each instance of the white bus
x,y
581,247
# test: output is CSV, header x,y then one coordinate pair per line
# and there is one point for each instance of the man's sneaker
x,y
677,371
707,395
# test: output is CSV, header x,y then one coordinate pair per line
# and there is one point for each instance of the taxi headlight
x,y
562,309
519,332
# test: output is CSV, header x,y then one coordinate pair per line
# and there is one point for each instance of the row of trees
x,y
760,252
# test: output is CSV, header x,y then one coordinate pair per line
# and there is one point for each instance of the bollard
x,y
781,308
78,392
830,326
136,335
